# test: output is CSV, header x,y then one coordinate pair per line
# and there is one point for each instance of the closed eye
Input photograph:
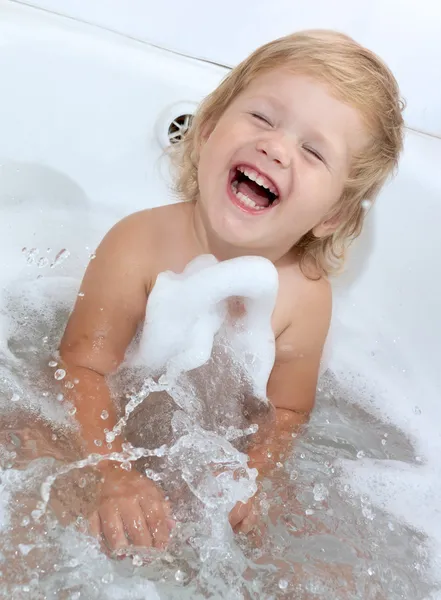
x,y
262,118
314,153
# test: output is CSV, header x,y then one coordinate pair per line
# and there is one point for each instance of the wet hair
x,y
354,75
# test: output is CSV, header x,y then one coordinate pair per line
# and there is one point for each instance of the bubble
x,y
126,465
360,454
69,385
110,437
180,576
152,475
104,415
81,295
82,482
137,561
309,511
98,443
72,411
52,363
283,584
417,410
15,398
59,374
293,475
25,521
60,397
383,442
107,578
92,256
320,492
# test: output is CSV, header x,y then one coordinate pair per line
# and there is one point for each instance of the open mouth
x,y
253,190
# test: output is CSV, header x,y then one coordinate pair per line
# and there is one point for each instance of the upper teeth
x,y
254,176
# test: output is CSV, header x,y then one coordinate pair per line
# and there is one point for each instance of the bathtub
x,y
85,118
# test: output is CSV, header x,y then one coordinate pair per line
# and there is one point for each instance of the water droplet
x,y
368,513
42,262
283,584
366,204
152,475
59,374
320,492
137,561
15,398
52,363
60,257
180,576
104,415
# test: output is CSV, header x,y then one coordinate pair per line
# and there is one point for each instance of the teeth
x,y
254,176
244,199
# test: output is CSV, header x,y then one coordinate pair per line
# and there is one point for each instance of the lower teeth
x,y
244,199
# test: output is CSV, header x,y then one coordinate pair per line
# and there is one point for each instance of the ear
x,y
326,227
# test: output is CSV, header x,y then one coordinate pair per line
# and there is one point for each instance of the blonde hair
x,y
356,76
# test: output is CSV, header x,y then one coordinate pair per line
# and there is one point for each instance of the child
x,y
279,162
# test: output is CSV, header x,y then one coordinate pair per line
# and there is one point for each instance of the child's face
x,y
288,133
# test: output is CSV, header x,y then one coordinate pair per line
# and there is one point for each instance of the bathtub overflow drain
x,y
179,127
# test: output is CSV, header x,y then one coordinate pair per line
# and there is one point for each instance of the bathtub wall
x,y
405,32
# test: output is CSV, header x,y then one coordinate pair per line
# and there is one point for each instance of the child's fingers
x,y
156,514
239,513
94,525
135,525
112,527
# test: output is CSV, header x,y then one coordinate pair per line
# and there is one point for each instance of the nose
x,y
275,149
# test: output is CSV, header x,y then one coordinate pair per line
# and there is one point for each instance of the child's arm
x,y
292,386
110,305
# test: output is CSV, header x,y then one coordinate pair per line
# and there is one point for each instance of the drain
x,y
174,122
179,127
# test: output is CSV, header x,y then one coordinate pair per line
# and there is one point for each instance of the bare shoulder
x,y
303,310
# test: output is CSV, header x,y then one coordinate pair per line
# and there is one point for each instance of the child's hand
x,y
244,517
132,511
